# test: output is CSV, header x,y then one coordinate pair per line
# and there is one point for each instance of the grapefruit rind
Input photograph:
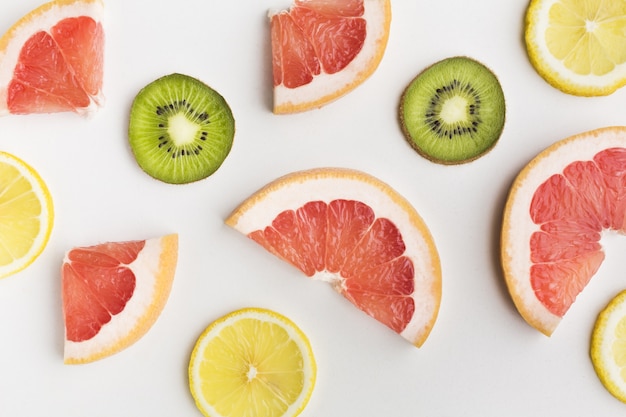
x,y
46,218
326,88
42,19
326,184
603,338
518,226
154,271
296,335
554,70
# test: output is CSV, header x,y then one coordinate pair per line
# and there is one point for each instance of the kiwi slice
x,y
180,129
453,112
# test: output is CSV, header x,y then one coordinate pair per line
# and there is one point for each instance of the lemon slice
x,y
608,346
578,46
26,214
252,362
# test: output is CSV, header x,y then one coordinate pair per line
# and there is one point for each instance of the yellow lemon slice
x,y
252,362
578,46
608,346
26,214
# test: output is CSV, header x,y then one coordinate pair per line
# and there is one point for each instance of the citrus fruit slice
x,y
113,293
26,214
352,230
321,50
51,60
252,362
579,47
557,210
608,346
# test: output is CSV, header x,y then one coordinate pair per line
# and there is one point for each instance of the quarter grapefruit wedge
x,y
321,50
113,293
355,232
557,211
51,60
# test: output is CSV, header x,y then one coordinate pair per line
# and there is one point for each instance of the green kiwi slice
x,y
453,112
180,129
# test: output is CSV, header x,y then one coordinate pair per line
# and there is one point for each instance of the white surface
x,y
481,358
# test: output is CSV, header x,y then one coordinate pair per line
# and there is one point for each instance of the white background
x,y
481,357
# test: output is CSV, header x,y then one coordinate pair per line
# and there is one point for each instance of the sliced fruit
x,y
180,130
26,214
355,232
252,362
556,212
113,293
453,112
608,346
322,50
579,47
51,60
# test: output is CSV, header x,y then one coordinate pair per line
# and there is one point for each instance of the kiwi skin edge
x,y
411,141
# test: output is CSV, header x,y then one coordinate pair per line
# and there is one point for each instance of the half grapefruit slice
x,y
558,208
113,293
51,60
321,50
352,230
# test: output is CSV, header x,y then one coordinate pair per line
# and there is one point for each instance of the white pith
x,y
326,85
22,31
561,72
145,269
454,110
386,204
181,129
515,244
39,188
308,362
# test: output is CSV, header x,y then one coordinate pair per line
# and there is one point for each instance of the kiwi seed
x,y
180,129
453,112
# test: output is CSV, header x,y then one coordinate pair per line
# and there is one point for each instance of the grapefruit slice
x,y
27,214
557,210
352,230
51,60
321,50
113,293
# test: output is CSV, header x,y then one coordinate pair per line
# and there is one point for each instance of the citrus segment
x,y
322,50
608,346
252,362
26,214
558,208
578,46
51,60
113,293
355,232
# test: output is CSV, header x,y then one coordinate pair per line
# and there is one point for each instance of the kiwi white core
x,y
182,130
454,110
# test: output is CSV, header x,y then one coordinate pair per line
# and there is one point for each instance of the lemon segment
x,y
578,46
252,362
26,215
608,346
